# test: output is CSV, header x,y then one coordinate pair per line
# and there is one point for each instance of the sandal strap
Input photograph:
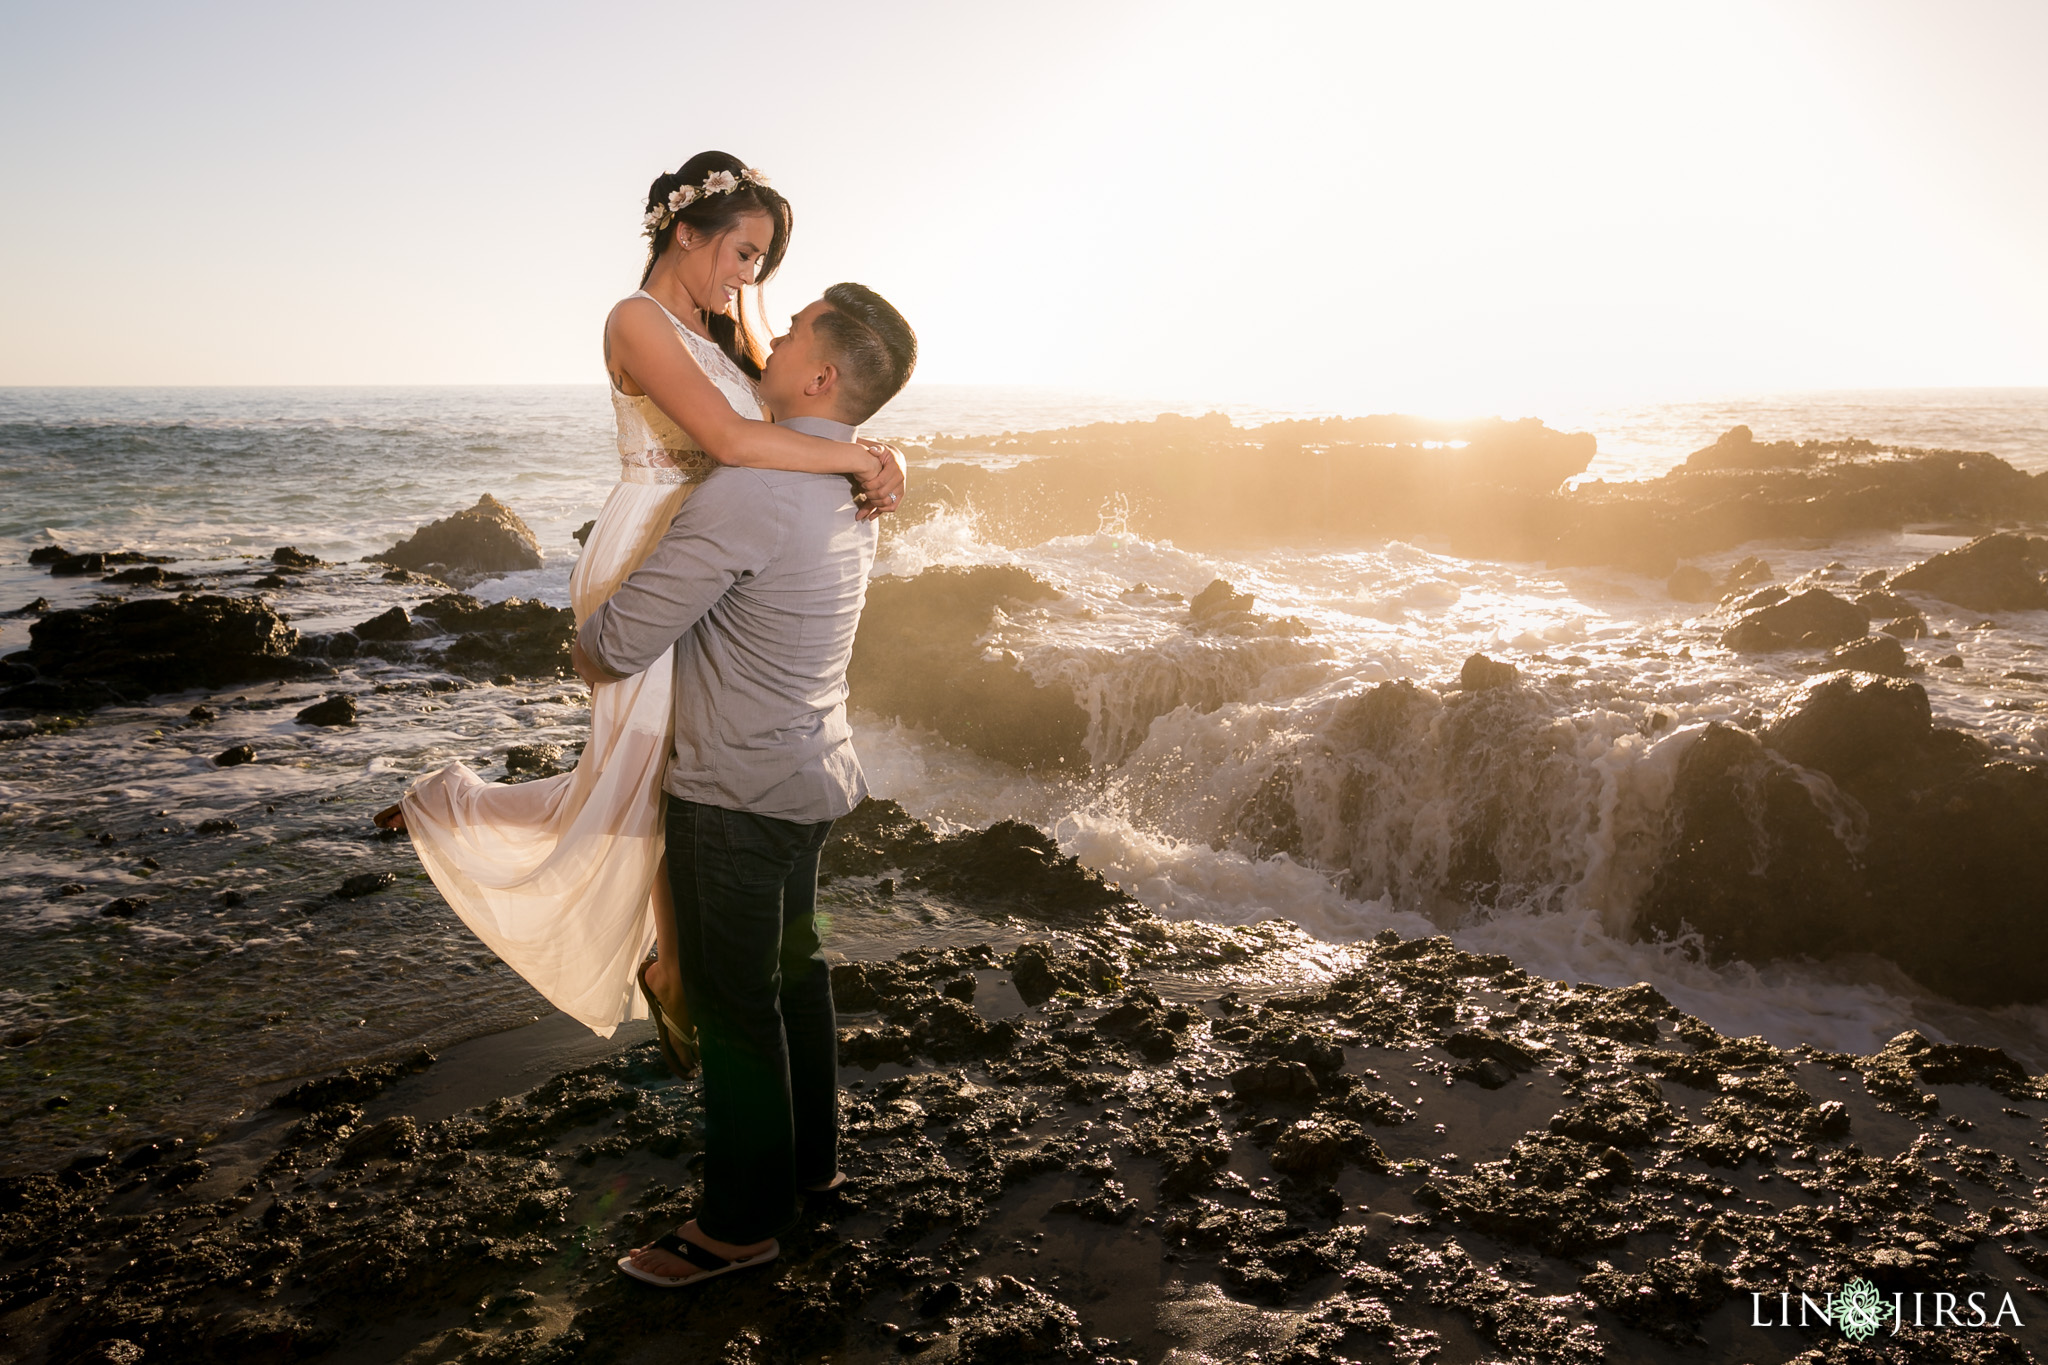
x,y
701,1257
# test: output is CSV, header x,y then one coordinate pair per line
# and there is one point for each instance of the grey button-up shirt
x,y
758,583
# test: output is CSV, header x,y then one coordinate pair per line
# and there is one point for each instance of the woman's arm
x,y
641,342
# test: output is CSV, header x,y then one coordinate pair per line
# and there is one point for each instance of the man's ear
x,y
823,384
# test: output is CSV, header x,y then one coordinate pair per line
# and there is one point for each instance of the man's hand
x,y
587,668
883,492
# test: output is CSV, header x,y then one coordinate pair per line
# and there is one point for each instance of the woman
x,y
564,878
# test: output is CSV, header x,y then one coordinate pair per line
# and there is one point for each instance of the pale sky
x,y
1352,206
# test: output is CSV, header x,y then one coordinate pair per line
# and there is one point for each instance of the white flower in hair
x,y
681,198
721,182
753,177
654,220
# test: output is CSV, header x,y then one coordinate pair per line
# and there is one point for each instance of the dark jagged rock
x,y
47,554
491,1234
485,539
519,637
2001,572
528,761
147,576
1873,654
394,624
128,650
920,658
125,907
366,884
352,1085
292,558
339,709
1481,674
1912,843
98,562
40,606
1010,865
1501,497
581,535
1738,448
1816,619
239,754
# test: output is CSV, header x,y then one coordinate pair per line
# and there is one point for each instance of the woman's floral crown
x,y
680,198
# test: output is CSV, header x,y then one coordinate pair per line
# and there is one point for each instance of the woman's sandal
x,y
678,1049
710,1265
391,817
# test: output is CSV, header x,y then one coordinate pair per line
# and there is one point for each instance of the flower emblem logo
x,y
1859,1309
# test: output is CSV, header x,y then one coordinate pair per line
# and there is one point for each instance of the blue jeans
x,y
746,892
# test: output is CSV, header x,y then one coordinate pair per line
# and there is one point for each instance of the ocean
x,y
171,1018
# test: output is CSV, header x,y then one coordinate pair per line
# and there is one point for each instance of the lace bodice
x,y
653,449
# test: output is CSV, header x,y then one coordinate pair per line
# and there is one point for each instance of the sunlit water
x,y
170,1015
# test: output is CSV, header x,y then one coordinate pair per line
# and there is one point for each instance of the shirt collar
x,y
820,426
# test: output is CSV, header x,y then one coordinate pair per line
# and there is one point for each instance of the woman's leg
x,y
665,973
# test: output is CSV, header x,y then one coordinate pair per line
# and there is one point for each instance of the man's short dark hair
x,y
871,344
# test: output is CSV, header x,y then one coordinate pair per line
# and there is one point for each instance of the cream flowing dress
x,y
555,876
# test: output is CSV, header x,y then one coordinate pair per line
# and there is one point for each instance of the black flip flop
x,y
710,1265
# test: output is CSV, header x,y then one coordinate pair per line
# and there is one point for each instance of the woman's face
x,y
714,268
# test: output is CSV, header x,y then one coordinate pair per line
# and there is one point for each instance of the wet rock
x,y
217,826
1873,654
1552,1192
126,907
47,554
2001,572
533,760
1816,619
1667,1298
921,657
38,607
1481,674
1747,572
393,624
1308,1149
147,576
514,637
1274,1080
240,753
1738,448
1865,828
488,538
1009,864
339,709
134,649
352,1085
366,884
74,565
292,558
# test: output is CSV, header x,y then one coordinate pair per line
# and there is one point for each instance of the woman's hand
x,y
882,491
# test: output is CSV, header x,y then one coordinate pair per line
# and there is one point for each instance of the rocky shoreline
x,y
1122,1139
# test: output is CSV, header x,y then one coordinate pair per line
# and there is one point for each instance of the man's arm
x,y
726,530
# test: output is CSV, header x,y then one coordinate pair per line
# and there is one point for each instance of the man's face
x,y
796,364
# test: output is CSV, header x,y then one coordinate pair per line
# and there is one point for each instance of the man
x,y
759,584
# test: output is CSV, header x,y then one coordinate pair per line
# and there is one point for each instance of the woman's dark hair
x,y
711,215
